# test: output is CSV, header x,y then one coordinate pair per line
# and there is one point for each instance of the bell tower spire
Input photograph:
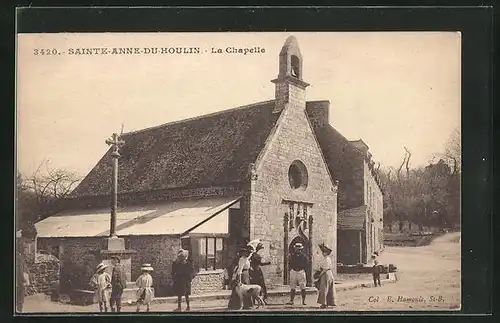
x,y
290,86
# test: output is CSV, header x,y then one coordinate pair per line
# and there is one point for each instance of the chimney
x,y
318,113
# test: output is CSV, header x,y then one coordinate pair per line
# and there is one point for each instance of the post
x,y
115,142
114,197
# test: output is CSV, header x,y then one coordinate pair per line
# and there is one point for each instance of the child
x,y
145,293
182,275
101,281
376,273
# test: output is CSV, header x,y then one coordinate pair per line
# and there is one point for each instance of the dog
x,y
252,291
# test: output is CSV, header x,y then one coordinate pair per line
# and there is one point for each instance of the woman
x,y
327,294
256,274
182,275
145,293
241,274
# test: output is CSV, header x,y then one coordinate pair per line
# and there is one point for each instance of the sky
x,y
391,89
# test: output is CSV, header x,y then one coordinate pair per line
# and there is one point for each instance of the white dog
x,y
252,291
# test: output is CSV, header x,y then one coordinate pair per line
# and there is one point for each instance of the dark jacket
x,y
256,261
118,278
377,269
298,261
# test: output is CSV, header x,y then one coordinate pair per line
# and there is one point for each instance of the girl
x,y
145,293
327,294
182,275
101,281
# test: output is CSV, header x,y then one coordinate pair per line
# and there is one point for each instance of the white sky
x,y
391,89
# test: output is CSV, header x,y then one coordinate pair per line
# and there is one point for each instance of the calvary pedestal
x,y
116,247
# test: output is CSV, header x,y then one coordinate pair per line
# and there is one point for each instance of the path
x,y
429,279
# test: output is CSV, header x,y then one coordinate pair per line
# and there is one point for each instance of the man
x,y
22,282
376,274
297,263
118,284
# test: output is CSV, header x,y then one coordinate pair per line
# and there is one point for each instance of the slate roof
x,y
352,219
210,150
338,151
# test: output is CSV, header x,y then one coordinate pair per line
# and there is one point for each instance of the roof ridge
x,y
349,142
199,117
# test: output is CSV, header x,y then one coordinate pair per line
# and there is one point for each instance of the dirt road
x,y
428,279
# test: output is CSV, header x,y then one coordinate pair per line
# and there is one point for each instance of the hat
x,y
325,249
260,246
101,266
146,267
182,252
298,245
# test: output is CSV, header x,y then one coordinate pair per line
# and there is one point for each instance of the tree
x,y
40,194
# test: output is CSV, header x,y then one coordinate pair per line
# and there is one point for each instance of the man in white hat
x,y
297,263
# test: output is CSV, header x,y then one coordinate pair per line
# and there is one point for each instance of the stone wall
x,y
374,200
160,251
43,274
293,140
78,259
207,281
80,256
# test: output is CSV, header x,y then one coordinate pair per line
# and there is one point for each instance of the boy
x,y
376,274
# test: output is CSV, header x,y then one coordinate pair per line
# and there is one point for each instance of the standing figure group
x,y
109,287
246,269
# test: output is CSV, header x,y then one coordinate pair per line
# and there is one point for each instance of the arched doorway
x,y
306,251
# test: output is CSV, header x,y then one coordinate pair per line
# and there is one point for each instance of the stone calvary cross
x,y
115,142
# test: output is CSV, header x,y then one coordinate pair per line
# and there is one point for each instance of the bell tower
x,y
290,87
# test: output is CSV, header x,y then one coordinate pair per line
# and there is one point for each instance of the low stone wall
x,y
208,281
44,274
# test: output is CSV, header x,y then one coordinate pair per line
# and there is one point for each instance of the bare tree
x,y
408,162
50,187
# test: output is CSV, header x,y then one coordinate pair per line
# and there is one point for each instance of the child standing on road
x,y
376,273
145,293
101,281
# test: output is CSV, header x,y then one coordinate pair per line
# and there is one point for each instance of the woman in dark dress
x,y
256,274
241,274
182,275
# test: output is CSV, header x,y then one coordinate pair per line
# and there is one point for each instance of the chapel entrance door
x,y
307,252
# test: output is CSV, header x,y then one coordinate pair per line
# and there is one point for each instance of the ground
x,y
428,279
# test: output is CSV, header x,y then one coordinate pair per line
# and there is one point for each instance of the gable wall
x,y
293,139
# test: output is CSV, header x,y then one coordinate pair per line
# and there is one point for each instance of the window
x,y
297,175
54,250
295,66
211,253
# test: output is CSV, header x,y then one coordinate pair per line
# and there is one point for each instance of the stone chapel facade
x,y
210,184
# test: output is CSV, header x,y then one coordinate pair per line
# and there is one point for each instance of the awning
x,y
352,219
208,216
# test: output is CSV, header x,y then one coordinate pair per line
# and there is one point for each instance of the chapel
x,y
273,170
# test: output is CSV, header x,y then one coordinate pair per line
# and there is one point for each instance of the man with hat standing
x,y
297,263
118,284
